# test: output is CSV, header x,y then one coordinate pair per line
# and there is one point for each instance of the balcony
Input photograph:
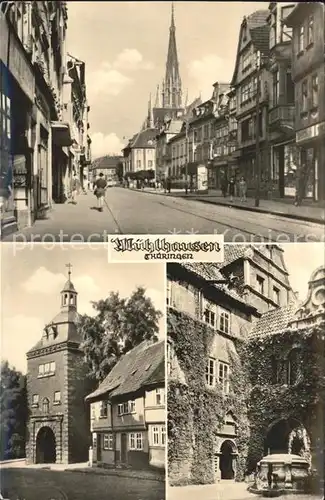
x,y
282,118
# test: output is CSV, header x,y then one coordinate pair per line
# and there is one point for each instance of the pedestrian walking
x,y
75,187
224,186
100,189
299,186
242,189
232,185
169,185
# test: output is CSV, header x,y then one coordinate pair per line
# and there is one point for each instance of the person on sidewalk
x,y
232,186
224,186
100,189
300,181
242,189
75,187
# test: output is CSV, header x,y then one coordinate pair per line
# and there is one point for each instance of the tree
x,y
119,171
13,412
119,325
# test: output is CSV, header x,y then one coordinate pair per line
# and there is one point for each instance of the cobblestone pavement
x,y
131,212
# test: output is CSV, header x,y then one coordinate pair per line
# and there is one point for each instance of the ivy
x,y
196,412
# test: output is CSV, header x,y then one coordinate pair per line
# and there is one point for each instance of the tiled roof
x,y
136,369
260,38
174,126
257,18
145,139
106,162
274,321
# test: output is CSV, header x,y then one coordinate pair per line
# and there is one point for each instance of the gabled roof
x,y
138,368
106,162
255,20
145,139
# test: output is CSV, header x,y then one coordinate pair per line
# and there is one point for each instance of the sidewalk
x,y
225,490
151,475
310,212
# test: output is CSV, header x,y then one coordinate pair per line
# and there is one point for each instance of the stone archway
x,y
278,435
45,446
228,454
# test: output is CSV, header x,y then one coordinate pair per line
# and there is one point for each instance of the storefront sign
x,y
310,133
20,68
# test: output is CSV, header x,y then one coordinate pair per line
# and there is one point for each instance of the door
x,y
99,447
123,448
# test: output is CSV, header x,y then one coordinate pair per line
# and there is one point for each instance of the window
x,y
273,31
46,405
224,321
158,435
304,95
35,400
286,32
139,164
247,60
135,441
108,441
125,408
293,367
159,397
290,88
276,295
310,30
149,163
155,436
245,92
46,369
94,440
209,314
260,284
314,88
57,397
223,376
276,88
301,39
103,409
210,372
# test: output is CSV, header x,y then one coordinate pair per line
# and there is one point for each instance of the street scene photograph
x,y
245,374
82,388
162,118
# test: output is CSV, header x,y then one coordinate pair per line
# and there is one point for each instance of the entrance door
x,y
226,461
45,446
123,448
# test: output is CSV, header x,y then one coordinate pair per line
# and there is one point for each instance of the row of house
x,y
279,76
244,366
44,112
119,423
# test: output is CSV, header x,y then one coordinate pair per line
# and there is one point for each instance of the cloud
x,y
107,80
23,331
105,144
43,281
206,71
131,60
110,79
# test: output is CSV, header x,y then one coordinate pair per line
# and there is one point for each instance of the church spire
x,y
172,85
68,293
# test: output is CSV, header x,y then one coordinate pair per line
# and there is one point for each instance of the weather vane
x,y
69,266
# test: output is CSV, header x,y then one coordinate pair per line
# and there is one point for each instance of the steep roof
x,y
138,368
68,287
257,20
172,67
145,139
106,162
274,320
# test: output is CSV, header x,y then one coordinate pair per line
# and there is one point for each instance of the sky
x,y
33,277
124,46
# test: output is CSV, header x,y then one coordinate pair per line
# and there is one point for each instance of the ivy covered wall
x,y
196,412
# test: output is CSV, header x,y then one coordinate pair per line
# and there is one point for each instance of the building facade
x,y
308,74
58,425
108,166
128,411
281,118
163,149
140,153
251,74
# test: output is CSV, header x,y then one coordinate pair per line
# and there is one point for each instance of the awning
x,y
61,134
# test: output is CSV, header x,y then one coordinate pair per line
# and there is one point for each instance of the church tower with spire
x,y
59,424
172,84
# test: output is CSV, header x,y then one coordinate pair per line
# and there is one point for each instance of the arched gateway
x,y
225,459
45,446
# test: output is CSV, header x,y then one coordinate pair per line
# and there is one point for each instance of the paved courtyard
x,y
41,484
